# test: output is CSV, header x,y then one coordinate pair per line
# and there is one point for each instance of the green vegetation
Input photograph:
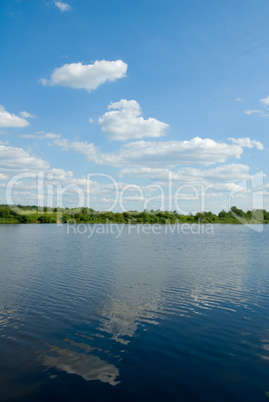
x,y
34,214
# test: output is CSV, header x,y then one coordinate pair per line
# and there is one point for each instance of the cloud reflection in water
x,y
85,364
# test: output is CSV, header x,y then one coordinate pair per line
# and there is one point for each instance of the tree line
x,y
33,214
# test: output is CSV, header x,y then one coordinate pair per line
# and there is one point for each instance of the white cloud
x,y
262,113
230,187
250,112
156,153
89,77
11,120
51,136
124,122
27,115
265,101
41,136
239,99
231,173
247,142
91,121
146,172
18,158
255,111
62,6
30,136
60,187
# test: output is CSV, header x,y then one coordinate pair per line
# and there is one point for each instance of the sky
x,y
132,105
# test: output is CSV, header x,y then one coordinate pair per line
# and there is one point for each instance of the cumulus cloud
x,y
69,188
124,122
232,172
18,158
11,120
62,6
155,153
41,136
235,188
89,77
20,184
247,142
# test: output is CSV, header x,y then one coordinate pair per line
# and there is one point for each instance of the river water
x,y
120,313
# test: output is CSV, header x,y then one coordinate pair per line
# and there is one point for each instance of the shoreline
x,y
18,214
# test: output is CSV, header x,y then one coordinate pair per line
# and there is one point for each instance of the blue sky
x,y
145,104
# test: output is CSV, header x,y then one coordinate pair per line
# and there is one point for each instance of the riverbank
x,y
32,214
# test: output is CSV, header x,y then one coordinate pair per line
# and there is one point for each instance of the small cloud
x,y
89,77
239,99
27,115
11,120
250,112
255,111
91,121
62,6
262,113
51,136
28,136
247,143
40,135
265,101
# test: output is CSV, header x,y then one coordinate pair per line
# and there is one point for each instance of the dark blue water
x,y
164,316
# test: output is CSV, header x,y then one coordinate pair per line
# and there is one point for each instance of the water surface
x,y
140,316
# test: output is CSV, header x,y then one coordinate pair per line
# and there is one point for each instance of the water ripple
x,y
133,314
